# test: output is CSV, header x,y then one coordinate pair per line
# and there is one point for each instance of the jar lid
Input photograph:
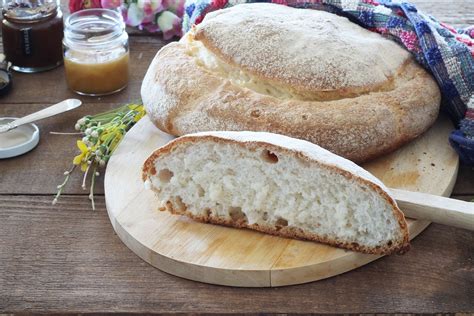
x,y
94,28
29,11
19,140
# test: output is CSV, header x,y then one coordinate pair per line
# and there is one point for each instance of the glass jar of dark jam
x,y
32,32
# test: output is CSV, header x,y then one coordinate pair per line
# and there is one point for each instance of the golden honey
x,y
93,76
96,53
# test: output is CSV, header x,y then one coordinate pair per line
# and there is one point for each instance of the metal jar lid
x,y
19,140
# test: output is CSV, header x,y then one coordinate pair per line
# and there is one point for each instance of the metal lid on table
x,y
17,141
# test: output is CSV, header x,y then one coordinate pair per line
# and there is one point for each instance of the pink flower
x,y
175,6
111,4
135,16
90,4
148,18
170,24
150,6
76,5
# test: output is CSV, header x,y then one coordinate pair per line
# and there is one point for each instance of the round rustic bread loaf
x,y
308,74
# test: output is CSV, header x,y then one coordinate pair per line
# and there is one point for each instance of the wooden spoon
x,y
435,208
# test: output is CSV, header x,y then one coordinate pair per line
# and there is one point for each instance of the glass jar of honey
x,y
96,54
32,33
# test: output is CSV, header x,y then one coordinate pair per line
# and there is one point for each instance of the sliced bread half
x,y
277,185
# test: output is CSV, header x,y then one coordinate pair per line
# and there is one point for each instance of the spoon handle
x,y
57,108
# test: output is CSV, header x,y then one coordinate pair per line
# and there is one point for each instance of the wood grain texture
x,y
51,158
67,258
428,157
237,257
458,13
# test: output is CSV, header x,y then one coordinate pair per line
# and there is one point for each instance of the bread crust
x,y
304,50
182,97
340,166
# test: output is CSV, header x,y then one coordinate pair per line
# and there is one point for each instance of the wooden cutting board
x,y
239,257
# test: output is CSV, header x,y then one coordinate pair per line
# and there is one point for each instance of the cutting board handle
x,y
435,208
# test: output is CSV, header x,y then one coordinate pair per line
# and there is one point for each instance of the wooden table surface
x,y
66,258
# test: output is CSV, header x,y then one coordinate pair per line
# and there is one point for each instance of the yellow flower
x,y
79,159
134,107
140,109
139,116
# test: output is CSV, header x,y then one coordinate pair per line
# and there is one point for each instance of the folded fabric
x,y
444,51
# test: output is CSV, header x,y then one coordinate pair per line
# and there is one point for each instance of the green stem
x,y
91,194
62,185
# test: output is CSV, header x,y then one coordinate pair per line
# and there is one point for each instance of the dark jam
x,y
32,35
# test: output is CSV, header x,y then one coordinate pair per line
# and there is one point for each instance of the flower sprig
x,y
101,135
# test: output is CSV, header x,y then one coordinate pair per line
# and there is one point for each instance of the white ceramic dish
x,y
19,140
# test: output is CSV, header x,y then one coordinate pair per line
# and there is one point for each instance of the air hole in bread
x,y
265,216
389,243
269,157
200,191
255,113
281,222
168,206
304,117
237,215
180,205
165,175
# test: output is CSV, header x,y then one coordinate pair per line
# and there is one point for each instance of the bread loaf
x,y
277,185
307,74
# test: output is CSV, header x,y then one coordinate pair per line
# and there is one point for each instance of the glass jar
x,y
32,33
96,55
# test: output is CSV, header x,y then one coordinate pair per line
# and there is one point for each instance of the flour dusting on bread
x,y
303,49
301,73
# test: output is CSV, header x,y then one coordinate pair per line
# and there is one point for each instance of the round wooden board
x,y
240,257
